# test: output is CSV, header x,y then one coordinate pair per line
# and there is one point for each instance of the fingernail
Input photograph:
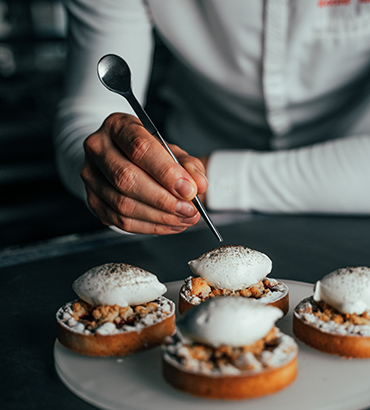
x,y
177,228
188,221
185,209
184,188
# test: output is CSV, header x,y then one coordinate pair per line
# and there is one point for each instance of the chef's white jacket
x,y
277,92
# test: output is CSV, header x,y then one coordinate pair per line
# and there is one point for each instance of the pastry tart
x,y
121,311
336,319
218,358
324,328
196,290
233,270
122,331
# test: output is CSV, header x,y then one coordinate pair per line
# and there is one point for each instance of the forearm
x,y
331,177
96,29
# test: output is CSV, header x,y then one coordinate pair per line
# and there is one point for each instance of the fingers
x,y
113,177
133,183
130,215
109,216
147,153
194,166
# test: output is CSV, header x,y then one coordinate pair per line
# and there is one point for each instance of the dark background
x,y
34,206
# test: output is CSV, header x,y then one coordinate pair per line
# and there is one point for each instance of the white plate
x,y
135,382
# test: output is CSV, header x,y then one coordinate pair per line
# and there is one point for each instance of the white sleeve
x,y
97,28
330,177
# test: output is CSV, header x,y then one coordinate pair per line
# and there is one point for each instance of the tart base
x,y
119,344
346,346
282,303
230,386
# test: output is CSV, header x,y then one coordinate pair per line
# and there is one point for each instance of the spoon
x,y
115,75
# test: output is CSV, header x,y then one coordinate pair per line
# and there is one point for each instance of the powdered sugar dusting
x,y
118,283
228,321
231,266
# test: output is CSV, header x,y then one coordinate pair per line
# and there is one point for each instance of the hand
x,y
202,197
133,183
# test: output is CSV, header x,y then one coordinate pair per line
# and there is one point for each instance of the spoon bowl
x,y
115,74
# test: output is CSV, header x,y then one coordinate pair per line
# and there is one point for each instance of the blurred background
x,y
34,206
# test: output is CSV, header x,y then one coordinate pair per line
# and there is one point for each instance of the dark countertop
x,y
37,281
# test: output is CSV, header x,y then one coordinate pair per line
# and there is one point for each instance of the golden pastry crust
x,y
135,328
244,381
324,328
195,290
231,387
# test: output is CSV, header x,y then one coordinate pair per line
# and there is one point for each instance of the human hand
x,y
133,183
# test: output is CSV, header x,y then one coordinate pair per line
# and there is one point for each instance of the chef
x,y
269,110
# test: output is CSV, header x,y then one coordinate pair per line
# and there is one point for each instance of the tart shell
x,y
341,345
119,344
230,386
282,302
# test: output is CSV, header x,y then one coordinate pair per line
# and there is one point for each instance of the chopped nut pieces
x,y
326,313
201,289
212,358
94,316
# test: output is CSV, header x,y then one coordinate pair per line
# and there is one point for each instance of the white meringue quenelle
x,y
231,267
346,289
232,321
118,283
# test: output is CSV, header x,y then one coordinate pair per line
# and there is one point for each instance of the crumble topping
x,y
328,319
274,350
82,317
196,290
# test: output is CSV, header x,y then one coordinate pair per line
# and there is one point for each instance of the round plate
x,y
324,382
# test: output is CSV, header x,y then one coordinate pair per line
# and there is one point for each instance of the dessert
x,y
229,348
233,270
121,310
336,318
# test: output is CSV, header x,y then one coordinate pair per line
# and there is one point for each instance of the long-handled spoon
x,y
115,75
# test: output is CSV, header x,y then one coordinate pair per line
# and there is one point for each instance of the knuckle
x,y
120,125
125,223
164,203
165,219
125,178
92,144
125,205
119,119
170,172
112,119
138,147
159,229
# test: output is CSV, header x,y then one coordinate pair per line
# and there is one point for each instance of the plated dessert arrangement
x,y
226,343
